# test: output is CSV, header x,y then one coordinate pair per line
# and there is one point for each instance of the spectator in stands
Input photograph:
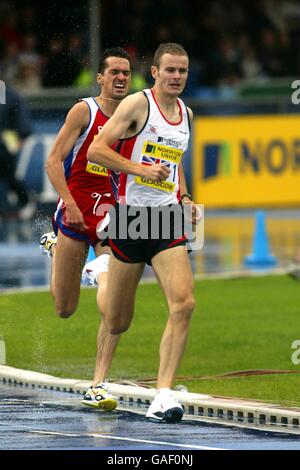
x,y
15,127
210,30
27,77
29,61
9,63
289,55
9,31
85,77
60,68
28,51
250,65
226,62
270,55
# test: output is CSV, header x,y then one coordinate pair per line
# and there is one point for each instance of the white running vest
x,y
160,141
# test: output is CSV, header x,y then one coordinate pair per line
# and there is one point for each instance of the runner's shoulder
x,y
79,114
190,112
134,102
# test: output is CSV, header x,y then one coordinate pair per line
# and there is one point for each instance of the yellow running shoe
x,y
99,397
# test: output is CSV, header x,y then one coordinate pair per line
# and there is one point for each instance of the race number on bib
x,y
170,157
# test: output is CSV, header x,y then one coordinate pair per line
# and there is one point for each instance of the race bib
x,y
153,153
96,169
166,186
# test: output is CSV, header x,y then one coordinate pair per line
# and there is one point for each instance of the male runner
x,y
83,186
154,128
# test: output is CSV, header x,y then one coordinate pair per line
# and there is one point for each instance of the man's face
x,y
171,76
115,80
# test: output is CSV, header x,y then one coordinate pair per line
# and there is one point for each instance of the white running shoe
x,y
165,408
47,241
99,397
92,270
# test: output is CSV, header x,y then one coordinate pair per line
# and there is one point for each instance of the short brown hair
x,y
168,48
112,52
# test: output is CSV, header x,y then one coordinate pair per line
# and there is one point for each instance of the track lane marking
x,y
128,439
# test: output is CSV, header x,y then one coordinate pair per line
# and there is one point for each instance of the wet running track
x,y
34,419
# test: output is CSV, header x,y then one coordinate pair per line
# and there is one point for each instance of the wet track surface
x,y
34,419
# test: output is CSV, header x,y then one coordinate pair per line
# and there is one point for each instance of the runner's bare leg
x,y
67,262
106,342
123,279
173,270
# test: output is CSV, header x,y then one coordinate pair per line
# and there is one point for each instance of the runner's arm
x,y
76,120
182,180
185,196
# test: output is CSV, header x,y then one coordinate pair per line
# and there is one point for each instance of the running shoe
x,y
165,408
99,397
92,270
47,241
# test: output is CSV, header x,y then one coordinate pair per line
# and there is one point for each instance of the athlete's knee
x,y
183,308
118,330
117,326
189,305
64,313
64,310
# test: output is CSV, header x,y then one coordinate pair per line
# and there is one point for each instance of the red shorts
x,y
93,206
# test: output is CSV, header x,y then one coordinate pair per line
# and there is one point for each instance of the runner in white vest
x,y
153,126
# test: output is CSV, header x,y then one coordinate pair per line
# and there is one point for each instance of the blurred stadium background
x,y
245,152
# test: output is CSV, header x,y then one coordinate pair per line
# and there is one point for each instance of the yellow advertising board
x,y
247,161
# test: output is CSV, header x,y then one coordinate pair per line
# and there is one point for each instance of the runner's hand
x,y
156,172
196,212
74,217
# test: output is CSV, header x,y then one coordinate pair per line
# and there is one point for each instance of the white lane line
x,y
119,438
